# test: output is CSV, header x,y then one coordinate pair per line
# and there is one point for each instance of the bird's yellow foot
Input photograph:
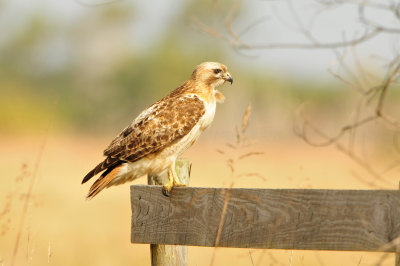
x,y
166,189
173,181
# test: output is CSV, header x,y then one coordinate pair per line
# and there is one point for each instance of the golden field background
x,y
62,228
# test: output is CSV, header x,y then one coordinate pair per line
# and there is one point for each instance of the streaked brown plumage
x,y
153,141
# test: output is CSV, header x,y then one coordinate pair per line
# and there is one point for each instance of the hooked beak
x,y
228,78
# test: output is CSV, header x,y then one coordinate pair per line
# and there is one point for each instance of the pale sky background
x,y
151,18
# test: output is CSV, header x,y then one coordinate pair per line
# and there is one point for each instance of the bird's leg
x,y
168,187
173,181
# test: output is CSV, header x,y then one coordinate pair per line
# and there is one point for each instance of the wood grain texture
x,y
355,220
170,255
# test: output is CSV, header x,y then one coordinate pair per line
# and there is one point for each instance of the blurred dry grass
x,y
65,229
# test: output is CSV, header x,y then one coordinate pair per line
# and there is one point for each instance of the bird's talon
x,y
165,192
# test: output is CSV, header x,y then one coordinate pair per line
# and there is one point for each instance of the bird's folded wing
x,y
157,127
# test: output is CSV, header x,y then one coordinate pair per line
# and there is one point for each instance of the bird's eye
x,y
217,70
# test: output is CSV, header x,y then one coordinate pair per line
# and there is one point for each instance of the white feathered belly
x,y
157,164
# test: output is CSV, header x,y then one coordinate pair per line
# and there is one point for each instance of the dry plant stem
x,y
394,243
359,262
222,220
26,201
382,259
49,253
30,187
241,142
251,257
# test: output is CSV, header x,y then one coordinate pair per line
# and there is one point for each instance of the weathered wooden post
x,y
170,254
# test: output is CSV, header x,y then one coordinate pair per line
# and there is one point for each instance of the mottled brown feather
x,y
167,121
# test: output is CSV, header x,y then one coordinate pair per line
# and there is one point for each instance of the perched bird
x,y
162,132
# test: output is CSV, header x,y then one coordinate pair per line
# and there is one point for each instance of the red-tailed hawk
x,y
162,132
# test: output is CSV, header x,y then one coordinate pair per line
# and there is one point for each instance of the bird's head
x,y
212,74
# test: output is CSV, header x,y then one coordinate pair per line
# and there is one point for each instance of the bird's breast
x,y
209,114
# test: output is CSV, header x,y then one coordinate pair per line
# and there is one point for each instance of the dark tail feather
x,y
104,180
94,172
109,162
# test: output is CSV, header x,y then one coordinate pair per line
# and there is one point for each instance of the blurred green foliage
x,y
98,77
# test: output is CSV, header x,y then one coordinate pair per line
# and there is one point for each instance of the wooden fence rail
x,y
308,219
